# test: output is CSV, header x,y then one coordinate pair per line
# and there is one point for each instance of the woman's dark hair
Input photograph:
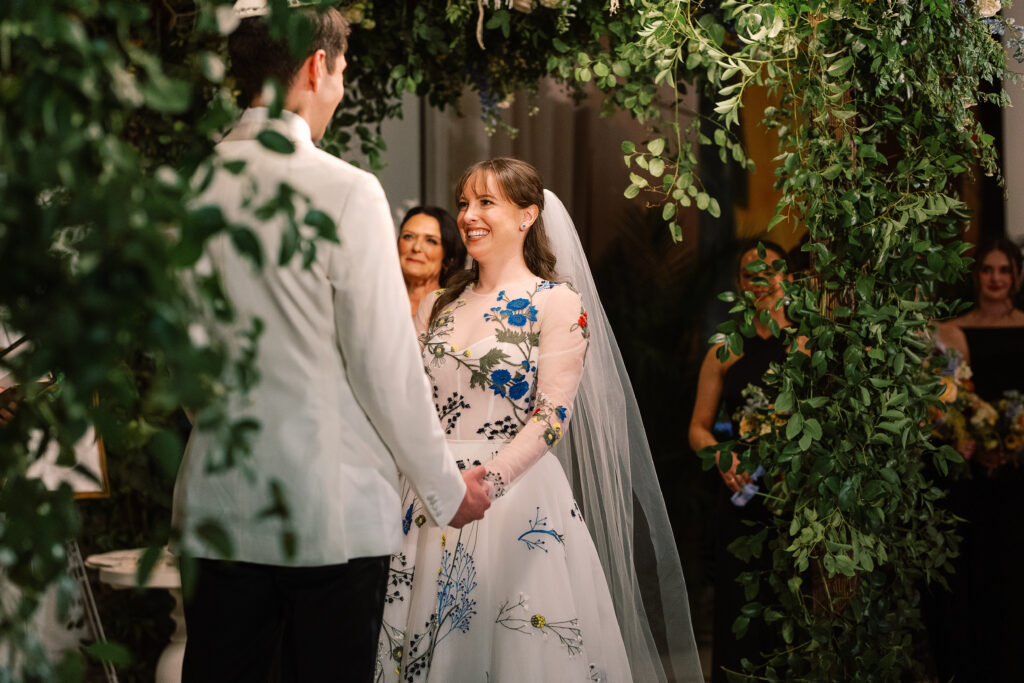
x,y
452,248
1013,254
520,183
256,56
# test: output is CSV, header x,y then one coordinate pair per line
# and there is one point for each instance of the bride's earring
x,y
523,226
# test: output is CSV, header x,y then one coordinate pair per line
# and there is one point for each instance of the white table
x,y
119,569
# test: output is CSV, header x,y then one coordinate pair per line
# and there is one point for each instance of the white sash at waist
x,y
472,452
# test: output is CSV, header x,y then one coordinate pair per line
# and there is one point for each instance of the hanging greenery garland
x,y
108,108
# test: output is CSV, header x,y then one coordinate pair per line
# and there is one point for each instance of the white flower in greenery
x,y
989,8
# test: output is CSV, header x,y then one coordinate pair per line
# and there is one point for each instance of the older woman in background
x,y
430,249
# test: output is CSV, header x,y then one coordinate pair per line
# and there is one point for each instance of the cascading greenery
x,y
874,119
108,108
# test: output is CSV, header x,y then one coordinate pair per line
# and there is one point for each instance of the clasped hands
x,y
477,498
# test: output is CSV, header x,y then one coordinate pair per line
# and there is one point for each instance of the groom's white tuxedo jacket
x,y
343,399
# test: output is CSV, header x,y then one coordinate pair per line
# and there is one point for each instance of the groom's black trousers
x,y
320,623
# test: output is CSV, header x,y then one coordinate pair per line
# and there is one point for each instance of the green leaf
x,y
794,426
510,336
275,142
106,651
147,561
166,95
248,245
213,534
322,223
628,147
784,403
656,146
713,208
847,495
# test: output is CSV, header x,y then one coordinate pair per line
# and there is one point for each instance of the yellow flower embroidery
x,y
444,539
538,621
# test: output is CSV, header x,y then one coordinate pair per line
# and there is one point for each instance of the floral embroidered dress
x,y
519,595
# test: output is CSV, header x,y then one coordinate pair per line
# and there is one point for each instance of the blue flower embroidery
x,y
529,314
561,412
518,304
499,378
407,521
518,389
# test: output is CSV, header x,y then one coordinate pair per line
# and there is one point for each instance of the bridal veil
x,y
608,461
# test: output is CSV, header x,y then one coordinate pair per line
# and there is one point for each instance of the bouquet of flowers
x,y
963,420
1009,430
757,416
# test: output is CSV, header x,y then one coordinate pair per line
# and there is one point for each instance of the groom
x,y
343,400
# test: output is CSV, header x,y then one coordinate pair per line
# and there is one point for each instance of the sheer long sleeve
x,y
561,352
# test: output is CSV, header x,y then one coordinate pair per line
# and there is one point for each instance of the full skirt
x,y
517,596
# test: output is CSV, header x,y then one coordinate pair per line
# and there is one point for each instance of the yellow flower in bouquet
x,y
949,389
753,426
1012,442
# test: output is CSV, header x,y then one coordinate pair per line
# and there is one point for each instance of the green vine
x,y
108,111
875,130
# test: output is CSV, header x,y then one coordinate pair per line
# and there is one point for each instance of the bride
x,y
526,594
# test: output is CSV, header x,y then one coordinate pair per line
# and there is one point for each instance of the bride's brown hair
x,y
520,183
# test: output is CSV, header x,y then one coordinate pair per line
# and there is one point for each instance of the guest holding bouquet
x,y
723,385
977,631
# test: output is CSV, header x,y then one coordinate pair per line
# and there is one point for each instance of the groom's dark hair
x,y
257,57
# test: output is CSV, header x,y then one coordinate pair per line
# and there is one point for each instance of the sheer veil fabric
x,y
608,460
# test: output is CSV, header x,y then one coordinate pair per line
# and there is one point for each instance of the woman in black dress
x,y
984,617
721,384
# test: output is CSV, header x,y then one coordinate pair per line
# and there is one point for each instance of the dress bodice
x,y
997,359
758,354
506,366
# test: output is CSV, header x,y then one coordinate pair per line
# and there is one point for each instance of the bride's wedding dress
x,y
536,591
519,595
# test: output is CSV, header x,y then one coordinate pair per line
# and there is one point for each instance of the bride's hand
x,y
476,500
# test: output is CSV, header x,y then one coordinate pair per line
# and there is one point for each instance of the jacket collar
x,y
256,119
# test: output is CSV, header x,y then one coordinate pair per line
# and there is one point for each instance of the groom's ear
x,y
312,71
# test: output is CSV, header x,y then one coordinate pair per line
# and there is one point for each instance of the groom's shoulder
x,y
341,173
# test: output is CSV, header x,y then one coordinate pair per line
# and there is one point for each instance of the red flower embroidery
x,y
583,320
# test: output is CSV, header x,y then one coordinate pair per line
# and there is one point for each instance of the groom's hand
x,y
476,500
